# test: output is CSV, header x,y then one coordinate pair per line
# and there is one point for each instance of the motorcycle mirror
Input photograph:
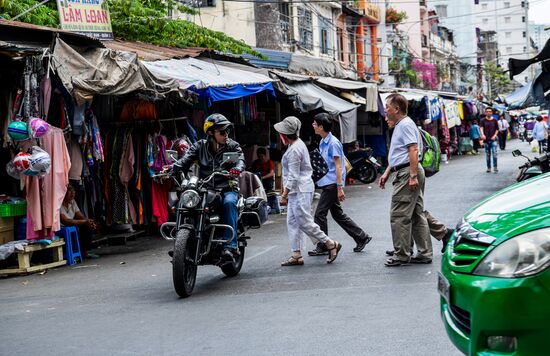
x,y
516,153
230,158
173,154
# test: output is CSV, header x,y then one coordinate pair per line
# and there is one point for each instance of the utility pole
x,y
528,38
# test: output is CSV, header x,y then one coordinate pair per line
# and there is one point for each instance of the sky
x,y
539,11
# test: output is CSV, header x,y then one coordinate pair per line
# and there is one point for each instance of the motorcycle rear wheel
x,y
233,269
184,272
367,174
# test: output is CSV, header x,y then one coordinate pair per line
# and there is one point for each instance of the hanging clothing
x,y
45,194
160,202
77,160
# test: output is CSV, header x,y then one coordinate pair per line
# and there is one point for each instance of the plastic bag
x,y
534,146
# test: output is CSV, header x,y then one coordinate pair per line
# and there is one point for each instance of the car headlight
x,y
190,199
520,256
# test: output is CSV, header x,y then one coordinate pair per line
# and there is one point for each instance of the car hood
x,y
514,210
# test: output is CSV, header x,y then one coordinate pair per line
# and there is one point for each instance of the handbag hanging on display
x,y
319,165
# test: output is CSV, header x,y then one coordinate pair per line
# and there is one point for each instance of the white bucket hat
x,y
289,126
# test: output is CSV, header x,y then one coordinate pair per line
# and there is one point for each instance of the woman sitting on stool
x,y
71,215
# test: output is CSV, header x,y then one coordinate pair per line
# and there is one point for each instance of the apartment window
x,y
206,3
324,35
506,5
484,6
508,35
508,49
284,21
485,21
441,10
340,43
305,28
507,19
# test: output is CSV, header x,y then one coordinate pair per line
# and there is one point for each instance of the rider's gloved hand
x,y
234,172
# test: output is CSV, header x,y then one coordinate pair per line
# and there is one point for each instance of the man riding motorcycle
x,y
209,155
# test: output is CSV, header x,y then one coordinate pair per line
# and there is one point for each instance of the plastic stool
x,y
72,250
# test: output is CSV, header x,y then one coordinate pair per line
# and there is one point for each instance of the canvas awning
x,y
212,81
531,94
345,111
102,71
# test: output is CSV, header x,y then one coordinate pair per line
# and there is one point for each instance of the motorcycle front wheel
x,y
233,269
367,174
184,272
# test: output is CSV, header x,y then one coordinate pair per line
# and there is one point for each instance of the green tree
x,y
498,82
139,20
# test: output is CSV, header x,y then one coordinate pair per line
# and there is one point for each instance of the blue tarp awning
x,y
212,81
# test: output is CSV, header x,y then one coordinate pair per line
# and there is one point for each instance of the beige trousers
x,y
407,217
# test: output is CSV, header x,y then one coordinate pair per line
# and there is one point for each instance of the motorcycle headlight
x,y
190,199
520,256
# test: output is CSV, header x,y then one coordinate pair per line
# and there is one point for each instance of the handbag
x,y
348,165
319,165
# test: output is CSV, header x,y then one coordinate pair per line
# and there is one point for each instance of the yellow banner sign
x,y
88,17
372,12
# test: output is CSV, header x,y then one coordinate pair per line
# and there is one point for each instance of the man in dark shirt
x,y
489,132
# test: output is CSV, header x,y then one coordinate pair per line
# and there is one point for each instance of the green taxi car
x,y
495,274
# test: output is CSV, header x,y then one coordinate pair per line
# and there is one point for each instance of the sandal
x,y
293,261
333,252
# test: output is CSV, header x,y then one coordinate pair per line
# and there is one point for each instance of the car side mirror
x,y
516,153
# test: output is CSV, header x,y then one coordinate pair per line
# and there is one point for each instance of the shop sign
x,y
372,12
87,17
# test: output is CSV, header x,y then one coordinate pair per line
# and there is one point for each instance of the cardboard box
x,y
6,230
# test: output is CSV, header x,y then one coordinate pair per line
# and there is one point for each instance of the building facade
x,y
509,20
345,32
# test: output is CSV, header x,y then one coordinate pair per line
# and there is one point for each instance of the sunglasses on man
x,y
224,132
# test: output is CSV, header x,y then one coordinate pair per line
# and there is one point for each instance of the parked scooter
x,y
197,232
364,167
533,167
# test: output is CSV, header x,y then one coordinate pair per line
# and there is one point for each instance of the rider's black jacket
x,y
209,161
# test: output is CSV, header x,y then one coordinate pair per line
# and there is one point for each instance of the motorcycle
x,y
197,232
364,167
533,167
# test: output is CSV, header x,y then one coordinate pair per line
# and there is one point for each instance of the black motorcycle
x,y
533,167
198,234
364,167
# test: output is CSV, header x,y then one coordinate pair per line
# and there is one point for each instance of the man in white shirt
x,y
503,127
71,215
407,205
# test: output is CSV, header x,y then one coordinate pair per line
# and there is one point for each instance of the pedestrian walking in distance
x,y
489,132
407,217
297,194
332,186
503,128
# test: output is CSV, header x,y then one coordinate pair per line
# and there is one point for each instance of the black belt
x,y
401,166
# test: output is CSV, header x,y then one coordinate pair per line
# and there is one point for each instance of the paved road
x,y
124,303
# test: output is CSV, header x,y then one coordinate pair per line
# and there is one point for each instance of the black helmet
x,y
216,122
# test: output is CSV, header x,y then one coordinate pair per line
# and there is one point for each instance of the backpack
x,y
431,153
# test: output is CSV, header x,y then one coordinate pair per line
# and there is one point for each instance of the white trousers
x,y
300,222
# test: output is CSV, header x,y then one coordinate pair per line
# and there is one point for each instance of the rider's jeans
x,y
230,216
491,150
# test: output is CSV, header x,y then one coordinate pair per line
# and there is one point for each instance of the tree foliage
x,y
498,80
139,20
394,17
